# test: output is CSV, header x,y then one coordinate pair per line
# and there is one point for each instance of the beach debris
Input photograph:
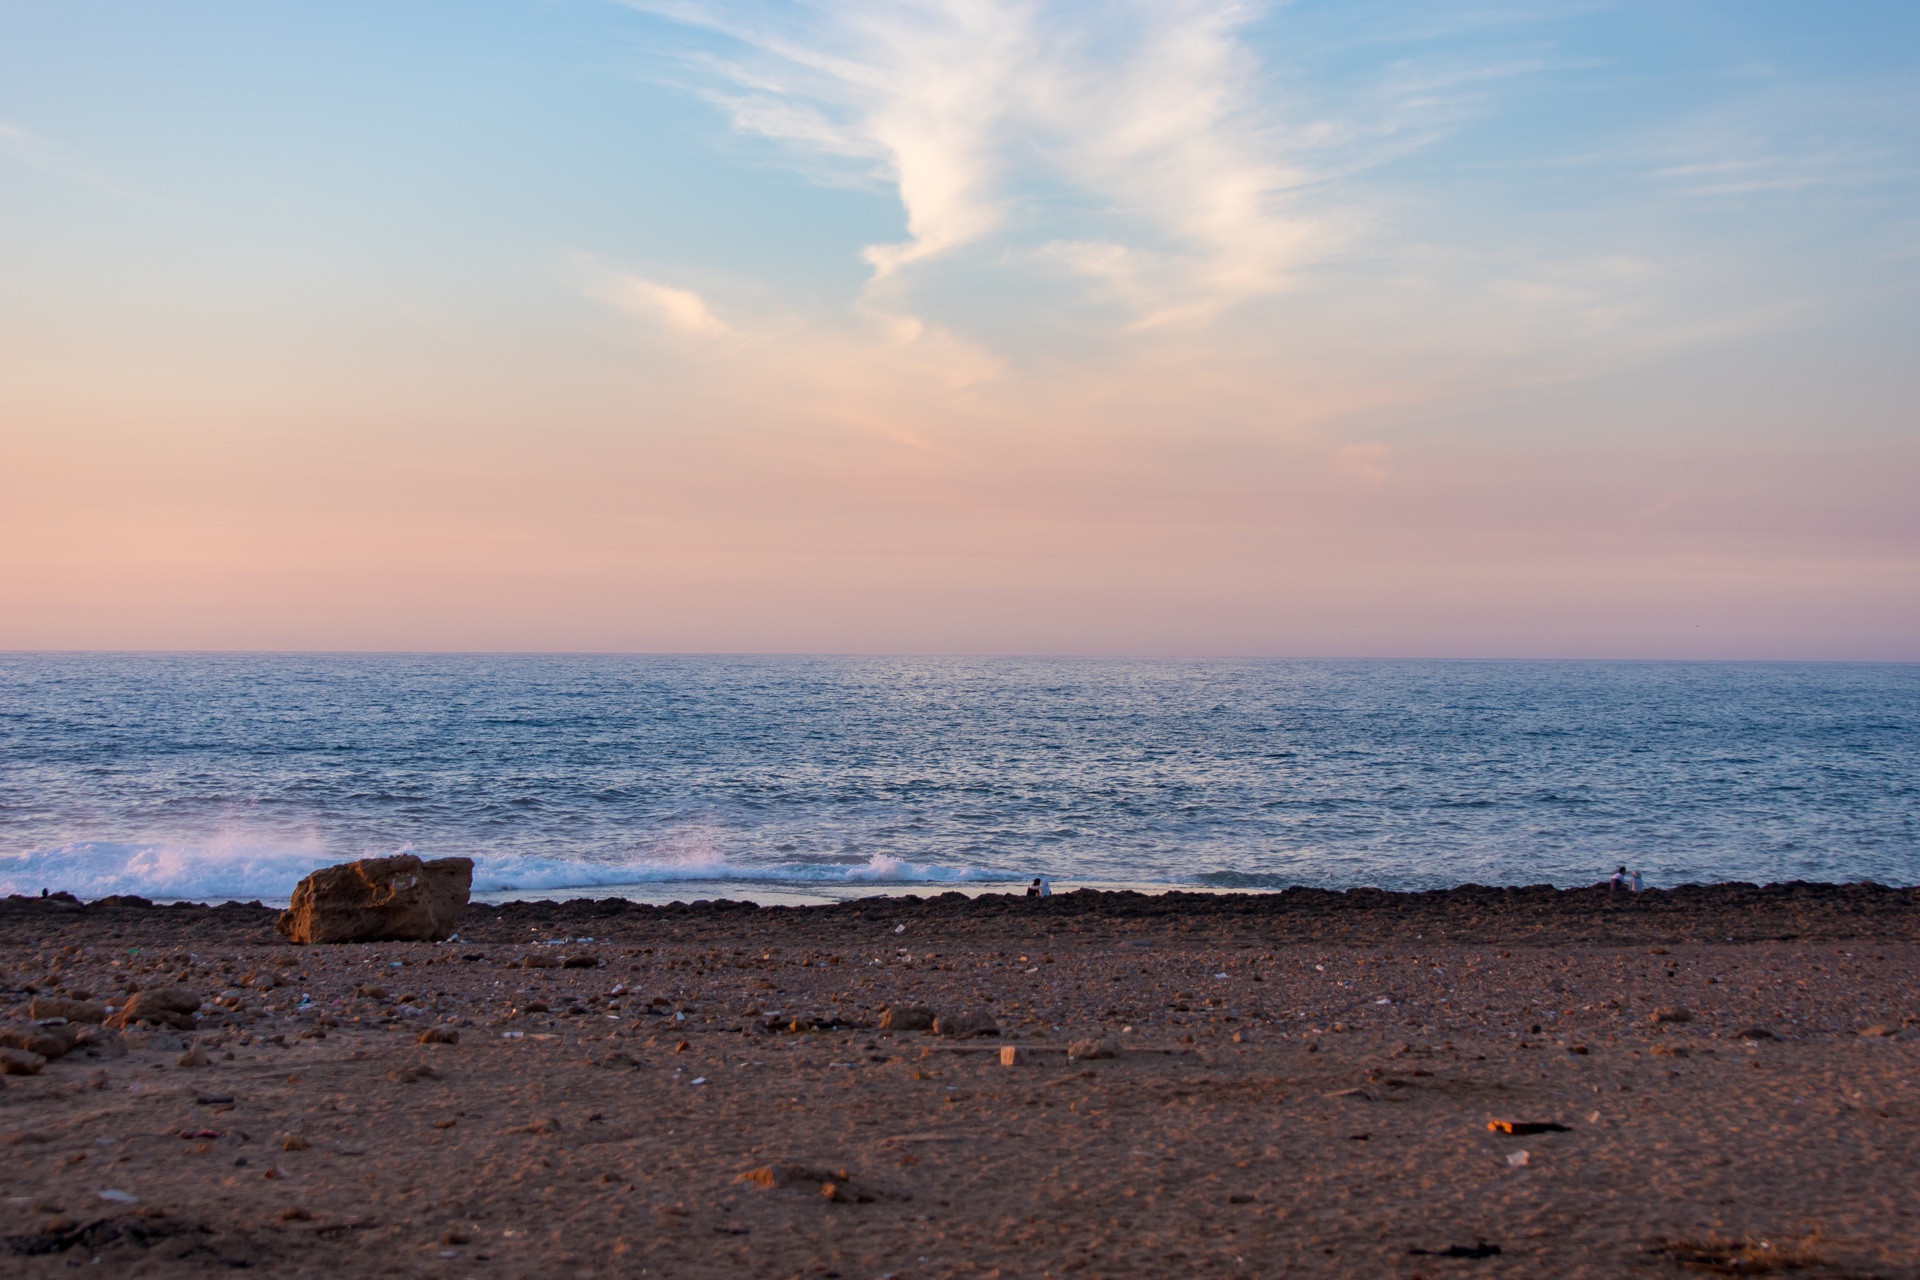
x,y
1518,1159
962,1025
396,898
113,1195
1361,1094
438,1035
48,1042
162,1006
1013,1055
45,1007
1478,1249
1671,1013
213,1099
1878,1029
1521,1128
910,1017
1079,1050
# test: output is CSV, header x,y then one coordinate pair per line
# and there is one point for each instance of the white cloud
x,y
1143,116
681,309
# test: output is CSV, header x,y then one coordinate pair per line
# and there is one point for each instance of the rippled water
x,y
786,779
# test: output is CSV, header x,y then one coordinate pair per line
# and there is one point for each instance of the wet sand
x,y
1301,1084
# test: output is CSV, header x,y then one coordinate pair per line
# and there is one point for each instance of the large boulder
x,y
397,899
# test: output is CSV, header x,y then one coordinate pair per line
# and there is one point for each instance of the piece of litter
x,y
1593,1117
899,928
513,1035
1516,1159
1383,1000
112,1196
1219,975
699,1080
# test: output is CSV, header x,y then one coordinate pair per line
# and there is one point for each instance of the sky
x,y
1378,327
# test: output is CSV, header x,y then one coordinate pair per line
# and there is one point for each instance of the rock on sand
x,y
399,898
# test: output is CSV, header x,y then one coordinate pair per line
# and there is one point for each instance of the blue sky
x,y
1395,327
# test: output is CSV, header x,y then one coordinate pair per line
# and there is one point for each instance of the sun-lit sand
x,y
1266,1086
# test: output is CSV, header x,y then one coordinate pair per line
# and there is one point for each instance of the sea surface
x,y
810,779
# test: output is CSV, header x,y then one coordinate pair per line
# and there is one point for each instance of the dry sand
x,y
1303,1085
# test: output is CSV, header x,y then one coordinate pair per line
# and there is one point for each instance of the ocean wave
x,y
98,868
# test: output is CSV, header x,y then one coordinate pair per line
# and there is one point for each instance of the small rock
x,y
438,1035
1671,1013
49,1042
1878,1029
194,1057
20,1062
581,961
101,1042
367,991
1754,1033
294,1213
294,1142
540,960
907,1018
1013,1055
1082,1049
163,1006
962,1025
1671,1051
72,1010
409,1075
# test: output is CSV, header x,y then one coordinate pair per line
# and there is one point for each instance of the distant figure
x,y
1638,884
1033,890
1619,880
1046,887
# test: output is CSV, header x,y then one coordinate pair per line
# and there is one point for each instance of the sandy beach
x,y
1269,1085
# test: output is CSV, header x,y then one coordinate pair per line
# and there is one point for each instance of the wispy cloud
x,y
1142,122
679,309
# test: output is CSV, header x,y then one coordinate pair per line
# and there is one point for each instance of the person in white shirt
x,y
1638,884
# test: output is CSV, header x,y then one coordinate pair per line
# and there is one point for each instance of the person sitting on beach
x,y
1046,887
1619,880
1033,890
1638,884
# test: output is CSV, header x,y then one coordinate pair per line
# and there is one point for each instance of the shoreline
x,y
1520,915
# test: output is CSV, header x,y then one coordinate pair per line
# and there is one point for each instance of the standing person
x,y
1619,880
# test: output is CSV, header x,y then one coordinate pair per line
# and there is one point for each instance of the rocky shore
x,y
1715,1077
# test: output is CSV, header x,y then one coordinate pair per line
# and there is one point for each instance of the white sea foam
x,y
98,868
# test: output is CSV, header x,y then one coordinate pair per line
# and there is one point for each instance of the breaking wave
x,y
98,868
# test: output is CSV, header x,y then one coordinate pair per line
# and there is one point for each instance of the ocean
x,y
806,779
